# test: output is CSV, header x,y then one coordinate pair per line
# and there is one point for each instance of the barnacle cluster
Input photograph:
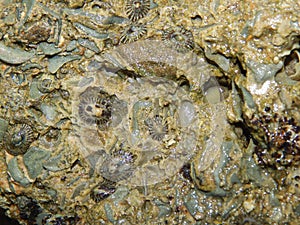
x,y
146,118
18,138
135,10
279,139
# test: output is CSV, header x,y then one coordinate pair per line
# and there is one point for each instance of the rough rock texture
x,y
150,112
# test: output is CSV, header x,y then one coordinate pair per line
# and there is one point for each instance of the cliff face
x,y
150,112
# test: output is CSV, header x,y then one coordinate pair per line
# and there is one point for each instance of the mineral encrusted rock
x,y
150,111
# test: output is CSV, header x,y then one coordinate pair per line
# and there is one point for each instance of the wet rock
x,y
34,160
58,61
14,55
263,72
75,3
37,33
29,209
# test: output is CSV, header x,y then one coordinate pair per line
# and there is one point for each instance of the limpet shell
x,y
133,32
95,107
18,138
118,166
46,83
102,191
137,9
157,126
180,38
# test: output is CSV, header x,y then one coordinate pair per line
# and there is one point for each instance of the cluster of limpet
x,y
95,107
137,9
18,138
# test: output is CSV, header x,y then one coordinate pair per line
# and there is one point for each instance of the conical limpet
x,y
157,127
18,138
180,38
118,166
133,32
103,191
137,9
95,107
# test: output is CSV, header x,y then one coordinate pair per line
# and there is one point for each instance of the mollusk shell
x,y
137,9
18,138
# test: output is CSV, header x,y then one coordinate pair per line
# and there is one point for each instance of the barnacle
x,y
46,84
137,9
18,138
36,33
133,32
118,166
95,107
89,109
103,190
281,135
154,118
51,138
292,65
180,38
125,155
157,127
